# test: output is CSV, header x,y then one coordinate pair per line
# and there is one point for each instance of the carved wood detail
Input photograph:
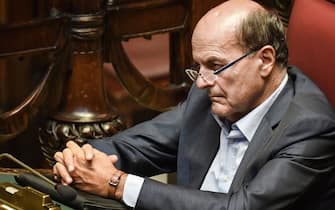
x,y
158,19
84,112
17,119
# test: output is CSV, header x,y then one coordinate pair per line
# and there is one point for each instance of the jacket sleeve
x,y
148,148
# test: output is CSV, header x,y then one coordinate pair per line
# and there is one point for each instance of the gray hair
x,y
260,28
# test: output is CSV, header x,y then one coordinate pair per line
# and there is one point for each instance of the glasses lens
x,y
208,76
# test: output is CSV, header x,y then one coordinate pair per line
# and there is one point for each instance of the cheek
x,y
243,90
235,90
248,93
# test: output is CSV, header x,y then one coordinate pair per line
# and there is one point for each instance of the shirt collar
x,y
250,122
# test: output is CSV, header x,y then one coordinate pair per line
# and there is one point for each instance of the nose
x,y
202,83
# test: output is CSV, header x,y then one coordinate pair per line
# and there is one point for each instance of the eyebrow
x,y
212,59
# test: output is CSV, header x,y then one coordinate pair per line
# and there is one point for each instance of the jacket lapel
x,y
204,151
199,142
255,156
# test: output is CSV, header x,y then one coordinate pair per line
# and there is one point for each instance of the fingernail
x,y
89,156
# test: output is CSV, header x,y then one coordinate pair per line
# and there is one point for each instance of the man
x,y
252,134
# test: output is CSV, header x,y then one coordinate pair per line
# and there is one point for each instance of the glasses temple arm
x,y
232,63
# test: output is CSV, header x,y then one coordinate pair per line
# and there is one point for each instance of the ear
x,y
267,58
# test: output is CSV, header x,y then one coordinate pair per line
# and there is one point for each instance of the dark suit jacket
x,y
288,164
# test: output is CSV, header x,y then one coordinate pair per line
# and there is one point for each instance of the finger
x,y
58,156
68,159
98,152
62,172
73,153
113,158
75,148
55,172
88,151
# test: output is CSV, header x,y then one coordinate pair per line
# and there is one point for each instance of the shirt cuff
x,y
132,189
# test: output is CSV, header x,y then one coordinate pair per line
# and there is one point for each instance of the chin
x,y
220,110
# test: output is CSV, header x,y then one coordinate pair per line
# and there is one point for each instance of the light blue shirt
x,y
224,166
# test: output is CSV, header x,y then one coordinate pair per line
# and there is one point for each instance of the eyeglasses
x,y
210,76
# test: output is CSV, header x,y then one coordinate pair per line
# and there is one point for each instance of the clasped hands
x,y
89,170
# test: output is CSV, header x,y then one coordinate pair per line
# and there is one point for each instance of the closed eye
x,y
216,66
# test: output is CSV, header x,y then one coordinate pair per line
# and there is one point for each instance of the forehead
x,y
212,29
213,47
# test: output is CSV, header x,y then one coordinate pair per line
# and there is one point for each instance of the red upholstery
x,y
311,42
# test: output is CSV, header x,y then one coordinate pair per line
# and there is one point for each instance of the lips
x,y
217,99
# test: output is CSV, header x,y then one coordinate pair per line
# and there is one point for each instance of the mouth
x,y
216,96
217,99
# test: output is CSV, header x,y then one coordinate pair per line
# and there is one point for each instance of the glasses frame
x,y
194,74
